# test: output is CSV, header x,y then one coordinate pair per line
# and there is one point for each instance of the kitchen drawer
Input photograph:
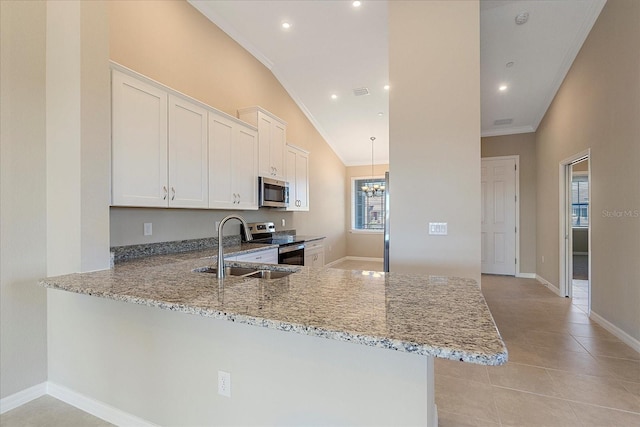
x,y
266,256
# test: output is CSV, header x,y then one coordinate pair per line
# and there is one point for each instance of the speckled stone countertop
x,y
444,317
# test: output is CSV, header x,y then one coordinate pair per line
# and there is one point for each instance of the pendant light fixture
x,y
372,189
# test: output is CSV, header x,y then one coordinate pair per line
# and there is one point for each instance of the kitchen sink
x,y
247,272
269,274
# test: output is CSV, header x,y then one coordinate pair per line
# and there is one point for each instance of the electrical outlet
x,y
283,222
438,228
148,229
543,259
224,383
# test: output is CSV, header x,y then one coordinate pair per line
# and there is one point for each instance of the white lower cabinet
x,y
314,253
265,256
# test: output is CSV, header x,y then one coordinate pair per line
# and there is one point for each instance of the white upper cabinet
x,y
272,137
188,148
297,168
233,164
139,143
159,147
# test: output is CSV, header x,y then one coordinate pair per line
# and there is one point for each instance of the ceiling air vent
x,y
503,122
361,91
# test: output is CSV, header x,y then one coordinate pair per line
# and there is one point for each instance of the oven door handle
x,y
290,248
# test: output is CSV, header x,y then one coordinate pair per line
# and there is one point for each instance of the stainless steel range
x,y
290,249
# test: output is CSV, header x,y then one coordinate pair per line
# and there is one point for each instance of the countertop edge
x,y
344,336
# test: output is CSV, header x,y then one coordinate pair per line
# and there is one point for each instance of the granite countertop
x,y
309,238
444,317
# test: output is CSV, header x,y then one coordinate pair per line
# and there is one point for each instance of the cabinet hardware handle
x,y
173,193
164,188
258,257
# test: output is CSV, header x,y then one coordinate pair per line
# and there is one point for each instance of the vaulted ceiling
x,y
333,51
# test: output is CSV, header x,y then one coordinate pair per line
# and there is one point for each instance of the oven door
x,y
291,254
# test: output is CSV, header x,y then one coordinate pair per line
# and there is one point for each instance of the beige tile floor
x,y
563,370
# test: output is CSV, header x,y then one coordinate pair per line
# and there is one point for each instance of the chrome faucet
x,y
247,237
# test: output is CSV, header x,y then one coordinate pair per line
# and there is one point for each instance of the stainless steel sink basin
x,y
269,274
247,272
229,271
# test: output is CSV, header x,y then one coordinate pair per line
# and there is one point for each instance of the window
x,y
367,212
580,201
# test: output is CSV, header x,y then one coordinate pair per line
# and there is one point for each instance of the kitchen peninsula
x,y
319,346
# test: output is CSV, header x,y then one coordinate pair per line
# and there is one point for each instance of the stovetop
x,y
276,239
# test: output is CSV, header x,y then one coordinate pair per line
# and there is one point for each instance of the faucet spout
x,y
247,237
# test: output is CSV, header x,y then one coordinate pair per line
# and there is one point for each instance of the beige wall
x,y
23,328
162,366
523,145
434,68
597,107
362,244
171,42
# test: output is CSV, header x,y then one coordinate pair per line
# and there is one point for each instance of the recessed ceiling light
x,y
286,25
386,87
334,96
502,88
356,3
522,18
380,114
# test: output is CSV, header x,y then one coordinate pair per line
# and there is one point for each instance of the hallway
x,y
563,369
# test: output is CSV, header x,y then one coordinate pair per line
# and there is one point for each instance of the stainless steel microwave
x,y
273,193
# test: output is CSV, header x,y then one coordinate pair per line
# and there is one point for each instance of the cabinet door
x,y
297,166
139,143
264,145
277,149
245,170
302,181
290,166
188,163
221,191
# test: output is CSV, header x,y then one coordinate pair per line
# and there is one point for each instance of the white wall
x,y
434,55
23,339
78,137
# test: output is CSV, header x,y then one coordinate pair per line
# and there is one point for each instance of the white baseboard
x,y
526,275
361,258
338,261
96,408
548,284
353,258
622,335
20,398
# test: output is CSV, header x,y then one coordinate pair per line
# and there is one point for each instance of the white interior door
x,y
499,216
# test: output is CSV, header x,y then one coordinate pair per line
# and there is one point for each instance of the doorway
x,y
575,231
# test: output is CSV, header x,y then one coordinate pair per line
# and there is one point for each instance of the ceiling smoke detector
x,y
522,18
500,122
361,91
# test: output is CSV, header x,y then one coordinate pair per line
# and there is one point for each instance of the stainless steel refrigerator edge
x,y
386,221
